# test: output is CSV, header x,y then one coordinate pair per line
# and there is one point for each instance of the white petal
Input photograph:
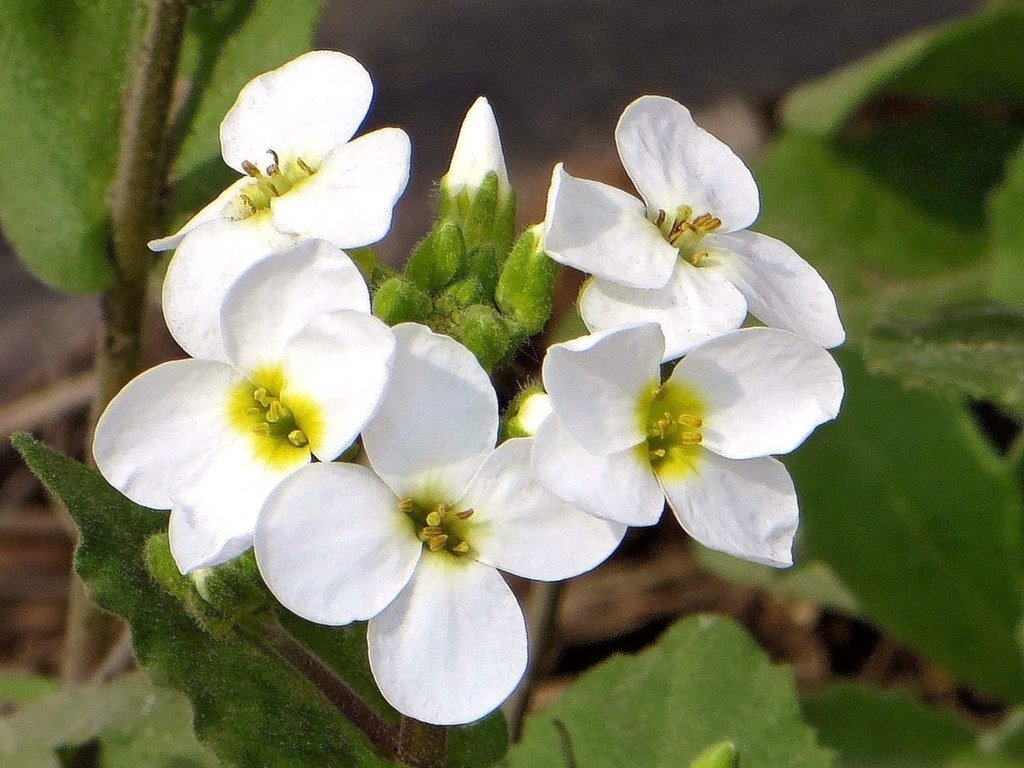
x,y
521,527
598,382
782,290
279,295
765,390
162,426
674,162
339,362
697,305
214,211
477,151
207,263
302,109
215,508
452,647
604,231
620,487
744,508
349,200
439,418
332,545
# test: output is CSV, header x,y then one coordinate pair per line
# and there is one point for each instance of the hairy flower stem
x,y
541,618
134,202
421,745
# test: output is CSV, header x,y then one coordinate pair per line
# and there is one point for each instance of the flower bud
x,y
438,259
399,301
477,153
527,283
485,333
526,412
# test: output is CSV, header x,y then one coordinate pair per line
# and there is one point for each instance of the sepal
x,y
397,300
527,283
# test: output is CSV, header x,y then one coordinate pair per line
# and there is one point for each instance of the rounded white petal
x,y
203,269
521,527
302,109
332,545
340,363
214,211
162,426
764,390
438,420
697,305
619,487
215,508
452,646
349,200
745,508
597,383
477,151
604,231
782,290
279,295
673,162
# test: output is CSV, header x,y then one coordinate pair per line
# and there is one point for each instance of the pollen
x,y
440,527
672,415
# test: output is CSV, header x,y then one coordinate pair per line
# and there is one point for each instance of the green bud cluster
x,y
468,279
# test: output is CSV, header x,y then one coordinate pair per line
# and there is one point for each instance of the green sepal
x,y
366,260
510,426
527,283
464,293
399,301
439,258
485,333
721,755
487,214
482,263
187,590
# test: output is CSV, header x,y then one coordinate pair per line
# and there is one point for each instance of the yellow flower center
x,y
273,181
440,527
672,415
280,427
685,232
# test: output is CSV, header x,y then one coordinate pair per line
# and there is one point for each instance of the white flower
x,y
289,132
682,257
414,545
477,153
619,441
303,367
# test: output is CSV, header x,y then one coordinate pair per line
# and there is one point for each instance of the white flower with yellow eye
x,y
682,257
290,133
619,441
414,545
303,367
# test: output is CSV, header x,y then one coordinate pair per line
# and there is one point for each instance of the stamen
x,y
465,515
276,412
706,223
298,438
689,420
437,542
690,438
406,505
302,164
461,548
433,530
262,429
660,219
434,517
658,453
275,167
251,169
247,202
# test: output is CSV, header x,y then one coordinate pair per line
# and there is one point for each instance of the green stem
x,y
421,745
541,618
134,203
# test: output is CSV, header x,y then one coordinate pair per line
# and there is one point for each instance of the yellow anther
x,y
298,438
260,396
660,219
248,203
461,548
689,420
251,169
276,412
302,164
464,515
433,530
406,505
690,438
435,543
706,223
683,213
435,517
658,453
262,429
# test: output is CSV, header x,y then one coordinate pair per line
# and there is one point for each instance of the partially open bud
x,y
477,153
526,412
527,283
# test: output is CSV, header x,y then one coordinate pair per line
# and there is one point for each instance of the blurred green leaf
x,y
976,350
894,219
968,60
227,44
251,707
16,690
1007,233
703,682
890,728
136,723
64,65
908,504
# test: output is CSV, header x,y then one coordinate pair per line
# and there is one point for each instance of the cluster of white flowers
x,y
288,365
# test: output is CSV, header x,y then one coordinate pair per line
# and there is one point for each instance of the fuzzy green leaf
x,y
1007,234
250,707
703,682
903,490
64,65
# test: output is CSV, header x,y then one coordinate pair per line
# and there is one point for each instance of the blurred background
x,y
557,75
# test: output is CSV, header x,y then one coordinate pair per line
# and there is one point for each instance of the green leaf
x,y
724,755
64,66
703,682
891,728
227,44
893,220
975,59
975,350
902,490
1007,233
136,724
251,707
16,689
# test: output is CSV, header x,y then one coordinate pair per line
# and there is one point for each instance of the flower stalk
x,y
421,745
